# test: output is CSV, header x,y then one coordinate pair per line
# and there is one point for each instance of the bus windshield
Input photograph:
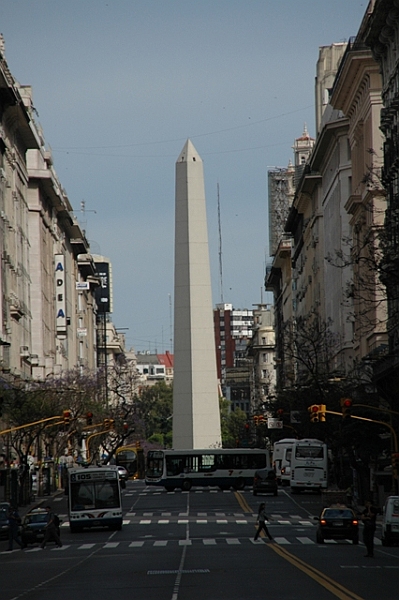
x,y
94,494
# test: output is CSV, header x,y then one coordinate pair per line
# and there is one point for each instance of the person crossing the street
x,y
261,521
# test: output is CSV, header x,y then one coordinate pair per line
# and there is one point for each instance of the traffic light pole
x,y
395,438
30,424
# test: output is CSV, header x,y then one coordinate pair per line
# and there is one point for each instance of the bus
x,y
215,467
132,458
309,465
94,498
281,459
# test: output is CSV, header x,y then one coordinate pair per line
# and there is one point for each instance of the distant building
x,y
153,368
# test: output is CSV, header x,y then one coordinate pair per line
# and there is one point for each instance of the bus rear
x,y
308,465
94,498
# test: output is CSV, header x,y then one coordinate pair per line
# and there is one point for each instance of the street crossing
x,y
205,541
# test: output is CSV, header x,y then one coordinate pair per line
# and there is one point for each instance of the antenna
x,y
220,249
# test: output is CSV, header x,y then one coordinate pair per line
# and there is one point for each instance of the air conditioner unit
x,y
34,360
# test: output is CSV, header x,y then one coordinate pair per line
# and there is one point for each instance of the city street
x,y
199,545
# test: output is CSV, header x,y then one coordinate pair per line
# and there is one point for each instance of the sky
x,y
119,85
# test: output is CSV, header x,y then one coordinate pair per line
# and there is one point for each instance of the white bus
x,y
281,459
216,467
94,498
309,464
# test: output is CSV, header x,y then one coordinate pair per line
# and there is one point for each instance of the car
x,y
337,523
265,482
34,525
4,508
123,475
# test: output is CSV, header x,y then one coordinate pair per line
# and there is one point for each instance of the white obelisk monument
x,y
196,417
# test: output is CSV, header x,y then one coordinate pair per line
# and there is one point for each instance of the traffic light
x,y
125,426
280,412
314,413
346,405
322,412
89,418
256,419
107,423
67,416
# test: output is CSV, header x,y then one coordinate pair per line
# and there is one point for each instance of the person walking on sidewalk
x,y
13,528
261,521
51,530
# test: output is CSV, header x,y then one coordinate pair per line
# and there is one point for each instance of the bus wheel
x,y
186,486
239,484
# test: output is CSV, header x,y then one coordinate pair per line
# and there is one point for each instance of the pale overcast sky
x,y
119,85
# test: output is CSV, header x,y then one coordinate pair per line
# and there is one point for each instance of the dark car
x,y
4,508
33,526
265,482
337,523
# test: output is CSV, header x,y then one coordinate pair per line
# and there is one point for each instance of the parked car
x,y
33,526
265,482
123,475
337,523
4,508
390,521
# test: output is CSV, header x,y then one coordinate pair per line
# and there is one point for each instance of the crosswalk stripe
x,y
111,545
136,544
86,546
242,522
209,542
305,540
185,542
160,543
221,521
233,541
163,521
145,522
281,540
182,521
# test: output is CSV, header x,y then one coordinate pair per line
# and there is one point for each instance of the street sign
x,y
274,423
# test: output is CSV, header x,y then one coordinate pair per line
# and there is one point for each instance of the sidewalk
x,y
39,502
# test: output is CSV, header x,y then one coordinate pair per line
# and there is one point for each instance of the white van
x,y
390,521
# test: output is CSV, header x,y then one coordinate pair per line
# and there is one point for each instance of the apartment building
x,y
47,278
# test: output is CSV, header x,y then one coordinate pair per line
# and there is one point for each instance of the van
x,y
390,521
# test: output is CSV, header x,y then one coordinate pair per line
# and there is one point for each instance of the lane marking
x,y
338,590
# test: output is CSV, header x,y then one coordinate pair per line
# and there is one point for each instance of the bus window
x,y
174,465
309,452
207,463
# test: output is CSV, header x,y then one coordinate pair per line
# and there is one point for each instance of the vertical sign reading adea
x,y
60,300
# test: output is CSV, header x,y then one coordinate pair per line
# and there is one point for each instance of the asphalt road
x,y
198,545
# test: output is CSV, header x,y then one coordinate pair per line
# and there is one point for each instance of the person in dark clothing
x,y
13,528
369,518
51,532
261,521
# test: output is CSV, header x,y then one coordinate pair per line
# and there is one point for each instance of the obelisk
x,y
196,417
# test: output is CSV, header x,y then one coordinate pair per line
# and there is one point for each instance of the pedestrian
x,y
261,522
369,518
13,528
51,530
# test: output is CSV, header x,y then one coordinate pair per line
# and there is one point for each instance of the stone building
x,y
47,276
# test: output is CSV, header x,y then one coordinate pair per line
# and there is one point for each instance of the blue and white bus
x,y
94,498
224,468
